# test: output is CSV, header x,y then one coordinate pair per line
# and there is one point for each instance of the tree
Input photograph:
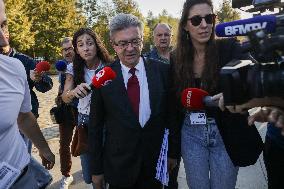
x,y
105,13
21,36
52,20
90,9
128,7
226,13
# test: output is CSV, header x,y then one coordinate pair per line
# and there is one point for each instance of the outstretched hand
x,y
268,114
48,158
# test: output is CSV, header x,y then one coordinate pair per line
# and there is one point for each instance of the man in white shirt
x,y
15,107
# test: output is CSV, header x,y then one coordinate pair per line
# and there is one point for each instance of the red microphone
x,y
42,66
197,99
103,77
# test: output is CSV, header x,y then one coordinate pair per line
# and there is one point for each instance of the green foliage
x,y
52,20
36,27
21,36
226,13
90,9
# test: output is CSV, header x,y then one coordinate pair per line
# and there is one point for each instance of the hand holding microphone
x,y
102,78
198,99
41,68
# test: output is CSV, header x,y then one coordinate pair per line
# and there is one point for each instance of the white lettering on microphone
x,y
244,29
188,98
100,74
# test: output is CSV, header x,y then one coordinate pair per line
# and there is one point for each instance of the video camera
x,y
263,75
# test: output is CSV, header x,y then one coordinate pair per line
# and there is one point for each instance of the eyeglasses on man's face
x,y
124,44
67,49
196,20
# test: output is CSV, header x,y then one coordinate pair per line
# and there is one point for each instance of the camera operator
x,y
259,83
269,114
272,111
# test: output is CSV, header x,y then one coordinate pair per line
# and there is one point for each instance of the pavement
x,y
251,177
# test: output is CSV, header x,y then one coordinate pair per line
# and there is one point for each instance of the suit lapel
x,y
152,85
120,92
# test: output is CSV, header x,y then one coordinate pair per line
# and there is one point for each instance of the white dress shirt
x,y
144,105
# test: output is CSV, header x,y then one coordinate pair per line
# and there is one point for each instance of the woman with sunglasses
x,y
196,62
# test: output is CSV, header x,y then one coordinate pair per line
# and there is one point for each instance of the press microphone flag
x,y
162,174
103,77
196,99
61,65
243,27
42,66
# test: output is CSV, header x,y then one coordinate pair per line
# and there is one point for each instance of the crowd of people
x,y
119,128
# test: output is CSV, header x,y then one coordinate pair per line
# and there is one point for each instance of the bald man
x,y
162,35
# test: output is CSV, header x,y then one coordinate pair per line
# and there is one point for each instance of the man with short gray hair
x,y
69,118
132,110
162,35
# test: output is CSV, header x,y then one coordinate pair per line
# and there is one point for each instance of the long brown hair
x,y
183,55
79,63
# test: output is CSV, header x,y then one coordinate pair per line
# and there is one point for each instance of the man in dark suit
x,y
128,116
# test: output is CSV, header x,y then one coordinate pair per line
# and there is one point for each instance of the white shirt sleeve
x,y
26,104
69,69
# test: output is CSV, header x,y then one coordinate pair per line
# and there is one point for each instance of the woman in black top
x,y
196,62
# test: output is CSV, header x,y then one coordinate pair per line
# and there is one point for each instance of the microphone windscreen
x,y
103,77
60,65
242,27
192,98
42,66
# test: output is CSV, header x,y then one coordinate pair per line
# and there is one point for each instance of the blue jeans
x,y
42,175
27,181
85,158
86,171
206,161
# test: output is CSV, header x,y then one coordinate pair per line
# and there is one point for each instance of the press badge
x,y
198,118
8,175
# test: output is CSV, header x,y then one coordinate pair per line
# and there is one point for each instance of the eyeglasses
x,y
196,20
124,44
68,49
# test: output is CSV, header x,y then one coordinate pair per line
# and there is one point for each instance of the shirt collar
x,y
138,67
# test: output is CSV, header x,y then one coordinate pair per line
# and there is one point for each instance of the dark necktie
x,y
133,91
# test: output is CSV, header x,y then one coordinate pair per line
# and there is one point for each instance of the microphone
x,y
196,99
60,65
243,27
42,66
101,79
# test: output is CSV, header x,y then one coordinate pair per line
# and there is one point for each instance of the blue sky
x,y
172,6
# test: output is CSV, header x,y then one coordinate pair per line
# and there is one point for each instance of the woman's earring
x,y
187,35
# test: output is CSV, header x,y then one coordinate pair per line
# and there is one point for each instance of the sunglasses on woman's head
x,y
196,20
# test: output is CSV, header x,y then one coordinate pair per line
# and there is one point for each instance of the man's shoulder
x,y
23,57
12,65
156,62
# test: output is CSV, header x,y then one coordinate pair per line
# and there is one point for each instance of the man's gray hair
x,y
166,25
123,21
66,40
